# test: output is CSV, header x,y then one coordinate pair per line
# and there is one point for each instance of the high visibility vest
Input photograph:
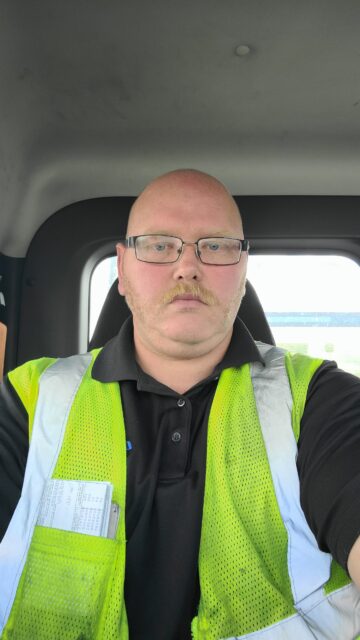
x,y
262,575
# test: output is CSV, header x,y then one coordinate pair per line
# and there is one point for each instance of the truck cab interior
x,y
98,98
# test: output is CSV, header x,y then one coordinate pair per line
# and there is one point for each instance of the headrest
x,y
115,311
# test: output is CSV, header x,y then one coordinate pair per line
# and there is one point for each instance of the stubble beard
x,y
141,313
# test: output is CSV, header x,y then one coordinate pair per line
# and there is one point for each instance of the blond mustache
x,y
196,290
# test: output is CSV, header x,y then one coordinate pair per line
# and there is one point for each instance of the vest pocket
x,y
63,591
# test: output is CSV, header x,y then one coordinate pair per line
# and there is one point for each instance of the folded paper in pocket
x,y
76,505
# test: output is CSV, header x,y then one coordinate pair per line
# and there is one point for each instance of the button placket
x,y
176,436
175,452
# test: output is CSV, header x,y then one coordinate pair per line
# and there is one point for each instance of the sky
x,y
306,283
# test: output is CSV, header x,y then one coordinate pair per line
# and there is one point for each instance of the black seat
x,y
115,311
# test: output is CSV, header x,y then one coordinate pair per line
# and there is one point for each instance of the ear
x,y
120,250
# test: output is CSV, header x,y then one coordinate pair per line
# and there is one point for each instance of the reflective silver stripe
x,y
336,617
57,388
309,568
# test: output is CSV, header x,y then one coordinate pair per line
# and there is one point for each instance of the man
x,y
208,492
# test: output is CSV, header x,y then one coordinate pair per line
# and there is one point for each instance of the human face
x,y
185,307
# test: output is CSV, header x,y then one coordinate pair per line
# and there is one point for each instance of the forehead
x,y
176,209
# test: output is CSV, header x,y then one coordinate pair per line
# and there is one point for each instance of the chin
x,y
191,334
182,331
186,337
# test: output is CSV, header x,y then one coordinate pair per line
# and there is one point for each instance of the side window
x,y
312,303
102,278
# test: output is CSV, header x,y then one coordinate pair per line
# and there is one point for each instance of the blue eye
x,y
213,246
160,247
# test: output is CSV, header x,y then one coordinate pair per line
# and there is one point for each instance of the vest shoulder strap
x,y
279,396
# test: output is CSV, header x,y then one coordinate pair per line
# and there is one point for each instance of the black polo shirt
x,y
166,471
165,484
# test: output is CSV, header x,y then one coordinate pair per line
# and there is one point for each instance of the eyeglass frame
x,y
130,243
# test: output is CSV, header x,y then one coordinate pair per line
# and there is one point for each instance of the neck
x,y
178,372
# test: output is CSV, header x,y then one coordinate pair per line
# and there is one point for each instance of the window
x,y
102,278
312,303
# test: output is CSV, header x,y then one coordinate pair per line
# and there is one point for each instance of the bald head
x,y
191,206
185,188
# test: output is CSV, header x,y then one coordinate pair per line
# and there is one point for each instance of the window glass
x,y
102,278
312,302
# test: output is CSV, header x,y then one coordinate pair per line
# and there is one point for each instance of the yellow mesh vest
x,y
243,567
72,584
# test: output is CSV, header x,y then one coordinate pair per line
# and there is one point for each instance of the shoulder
x,y
329,376
25,379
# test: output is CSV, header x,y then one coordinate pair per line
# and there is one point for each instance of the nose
x,y
188,266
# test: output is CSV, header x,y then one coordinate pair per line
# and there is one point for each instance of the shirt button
x,y
176,436
181,402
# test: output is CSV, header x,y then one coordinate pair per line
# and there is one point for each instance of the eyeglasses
x,y
161,249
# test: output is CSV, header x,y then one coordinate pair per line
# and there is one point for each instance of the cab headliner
x,y
97,98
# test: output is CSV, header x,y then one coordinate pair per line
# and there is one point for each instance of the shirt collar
x,y
116,361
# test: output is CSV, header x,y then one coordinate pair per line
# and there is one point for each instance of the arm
x,y
354,563
329,462
13,451
3,331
